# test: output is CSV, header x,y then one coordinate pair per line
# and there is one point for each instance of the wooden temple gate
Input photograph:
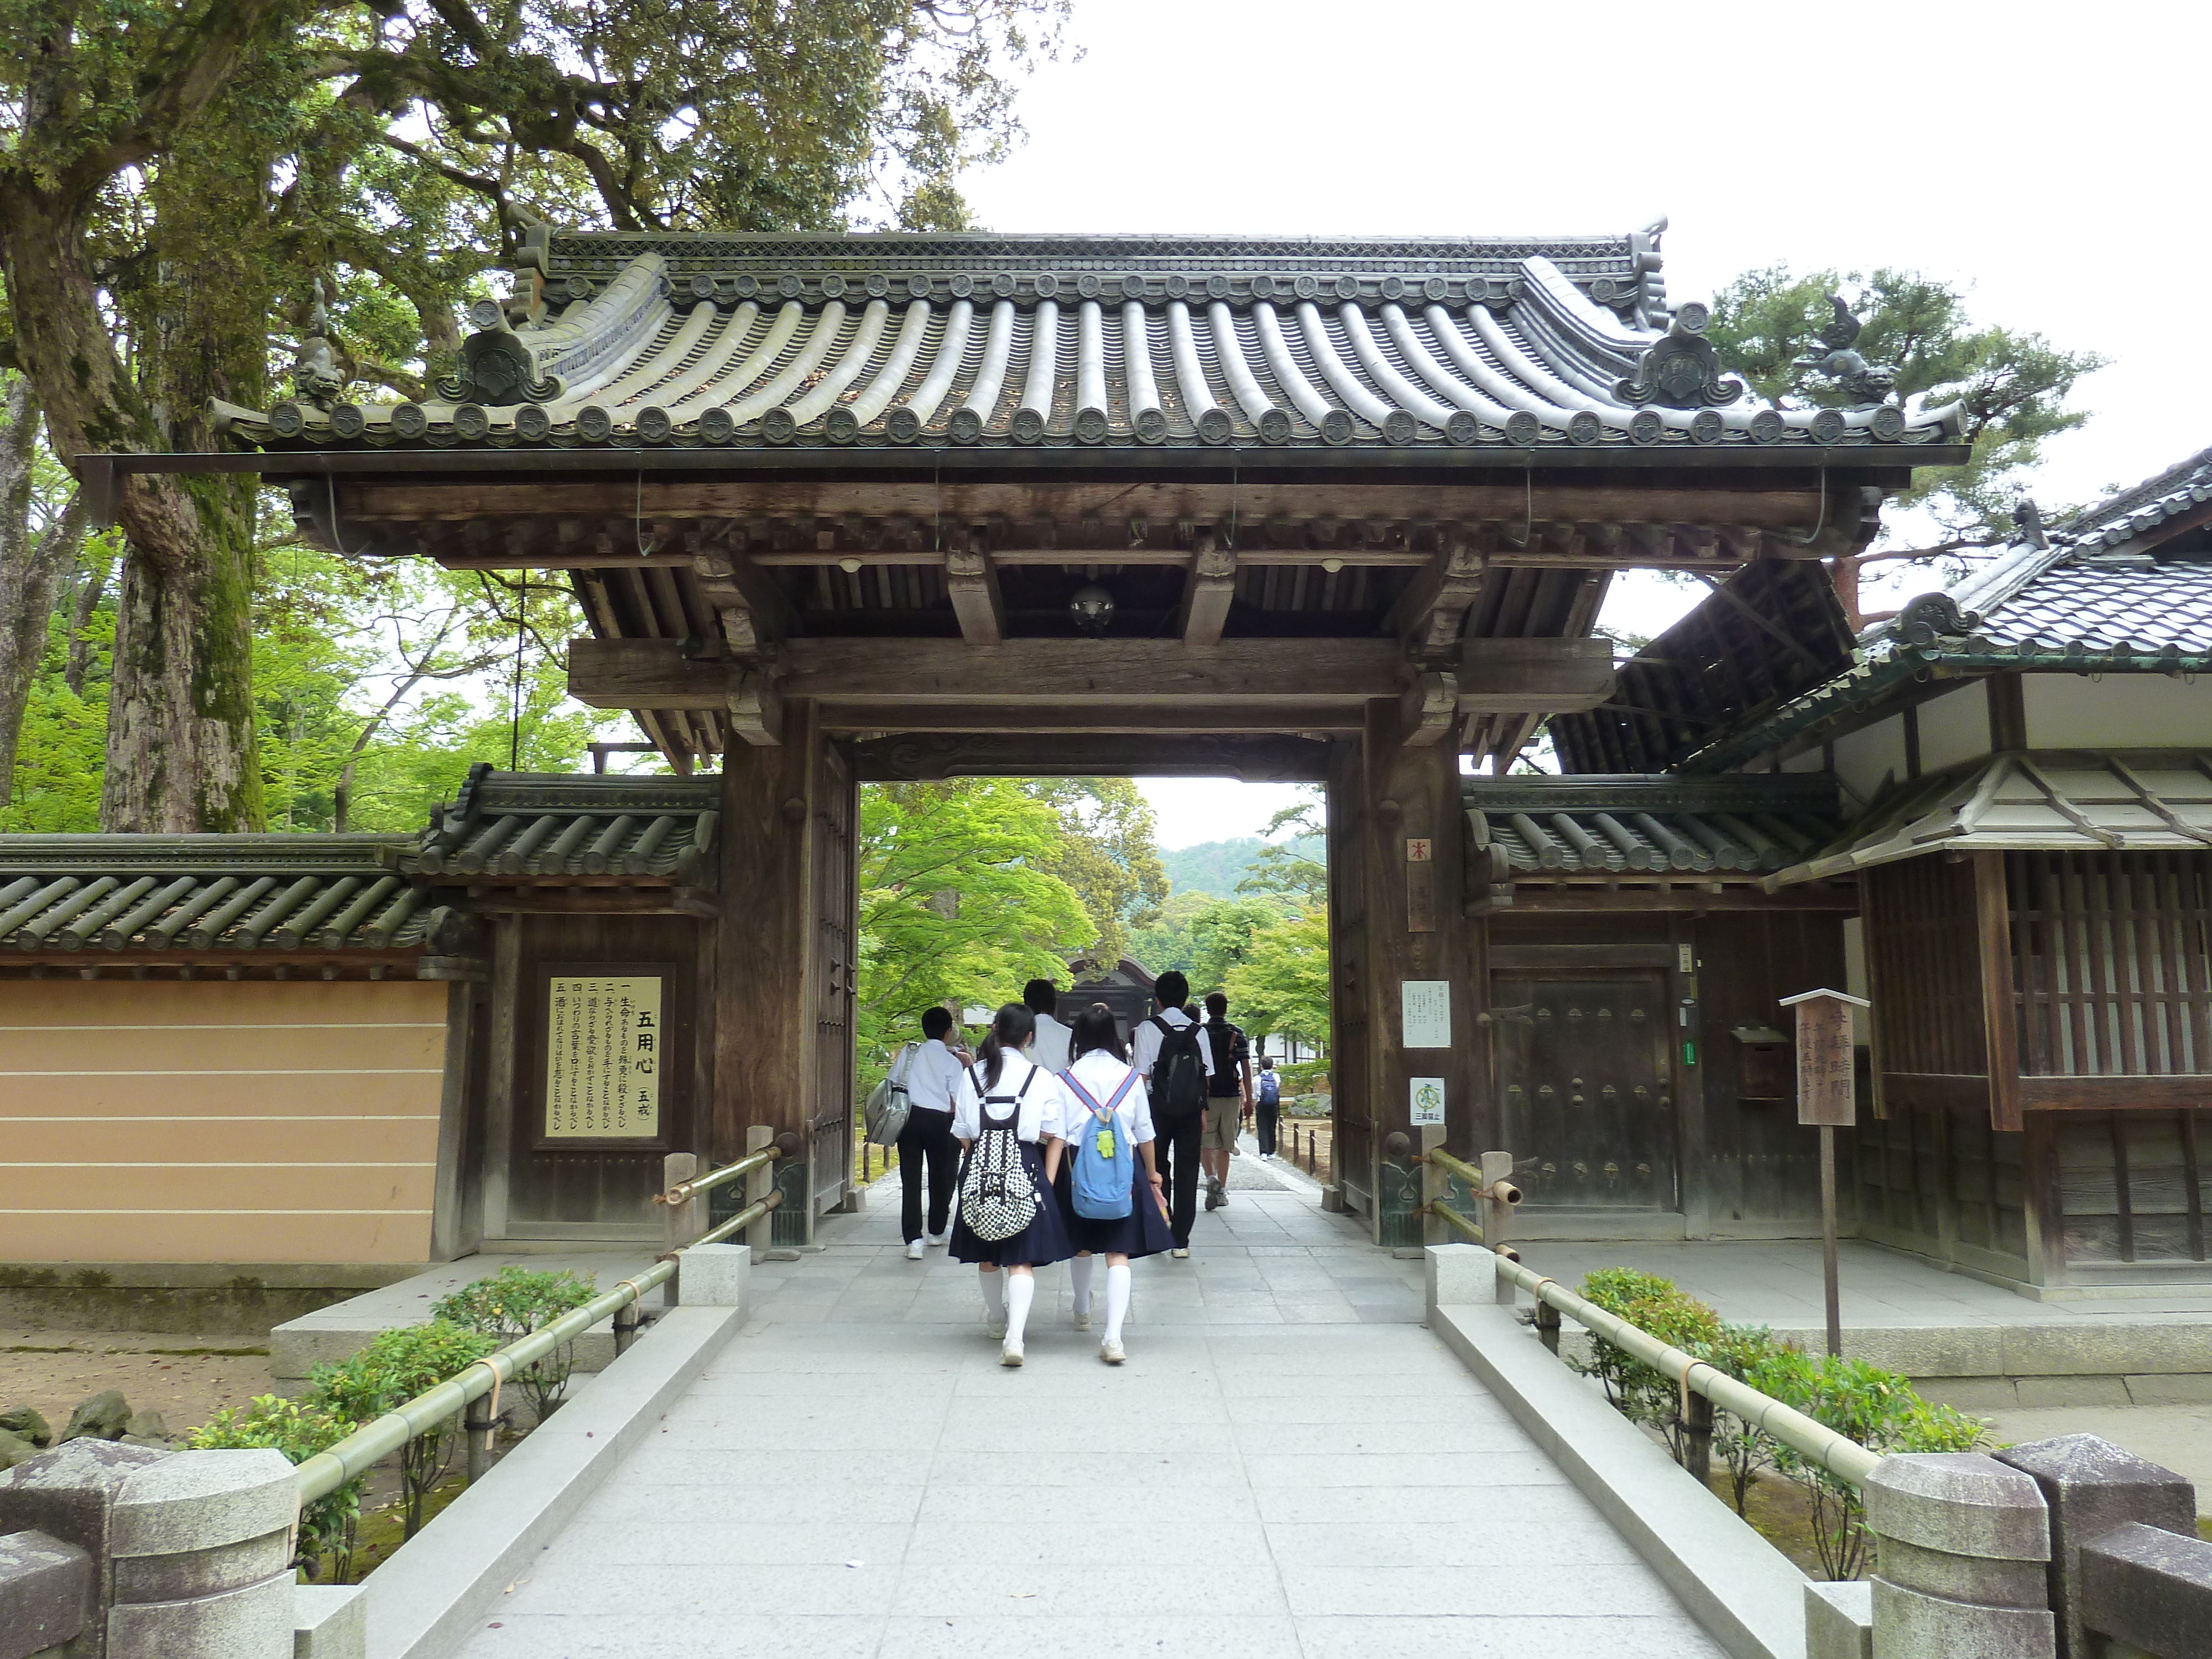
x,y
843,508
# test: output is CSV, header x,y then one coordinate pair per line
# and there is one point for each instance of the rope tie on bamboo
x,y
636,1296
491,1416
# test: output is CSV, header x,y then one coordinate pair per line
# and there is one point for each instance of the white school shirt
x,y
1101,1073
1145,1042
932,1078
1051,1047
1044,1107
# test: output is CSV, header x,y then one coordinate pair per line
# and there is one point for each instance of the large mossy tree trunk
x,y
194,308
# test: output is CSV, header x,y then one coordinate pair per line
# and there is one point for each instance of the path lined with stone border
x,y
1296,1465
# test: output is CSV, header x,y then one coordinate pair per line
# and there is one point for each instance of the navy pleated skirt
x,y
1143,1231
1045,1239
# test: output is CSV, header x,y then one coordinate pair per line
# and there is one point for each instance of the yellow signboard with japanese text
x,y
603,1057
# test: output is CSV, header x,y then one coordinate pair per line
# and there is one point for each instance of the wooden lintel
x,y
1583,900
971,581
1269,758
1493,675
1225,717
2181,1092
1208,593
1206,501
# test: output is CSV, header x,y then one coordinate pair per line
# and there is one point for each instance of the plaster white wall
x,y
2117,711
1869,757
1809,761
1954,727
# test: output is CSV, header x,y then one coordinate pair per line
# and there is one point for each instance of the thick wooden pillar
x,y
1411,854
765,995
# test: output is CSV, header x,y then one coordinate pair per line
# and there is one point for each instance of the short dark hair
x,y
1217,1005
1172,989
1040,996
937,1021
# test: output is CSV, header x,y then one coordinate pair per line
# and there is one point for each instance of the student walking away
x,y
1106,1181
1168,1056
933,1077
1268,1086
1009,1112
1228,1096
1052,1051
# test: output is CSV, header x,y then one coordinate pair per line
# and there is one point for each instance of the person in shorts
x,y
1228,1096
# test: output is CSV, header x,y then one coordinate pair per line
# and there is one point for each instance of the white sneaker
x,y
995,1328
937,1241
1112,1352
1011,1354
913,1251
1083,1320
1180,1253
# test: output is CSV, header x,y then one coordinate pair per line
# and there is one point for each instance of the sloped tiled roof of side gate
x,y
2122,586
1602,824
892,339
198,893
552,826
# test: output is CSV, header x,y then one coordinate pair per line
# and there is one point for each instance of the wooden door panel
x,y
1585,1072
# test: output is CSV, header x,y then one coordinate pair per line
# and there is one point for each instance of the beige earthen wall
x,y
213,1120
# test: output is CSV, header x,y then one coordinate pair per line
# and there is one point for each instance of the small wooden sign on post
x,y
1826,1100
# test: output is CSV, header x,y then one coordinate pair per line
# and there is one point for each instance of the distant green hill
x,y
1216,866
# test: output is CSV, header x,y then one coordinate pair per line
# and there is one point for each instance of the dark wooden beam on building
x,y
1195,717
754,612
971,580
1584,900
1208,593
1512,675
1431,611
1762,505
1255,758
2109,1093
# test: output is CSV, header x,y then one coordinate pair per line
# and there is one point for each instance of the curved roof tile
x,y
873,339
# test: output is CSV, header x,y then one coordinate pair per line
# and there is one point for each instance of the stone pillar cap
x,y
1961,1502
197,1500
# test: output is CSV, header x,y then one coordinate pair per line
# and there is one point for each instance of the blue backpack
x,y
1104,1173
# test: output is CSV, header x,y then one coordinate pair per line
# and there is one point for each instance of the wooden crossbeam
x,y
1766,507
1243,677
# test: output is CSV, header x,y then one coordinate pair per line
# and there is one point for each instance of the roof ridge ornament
x,y
1682,370
316,376
1864,384
1928,615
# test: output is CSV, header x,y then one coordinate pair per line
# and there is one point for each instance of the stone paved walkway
x,y
1289,1465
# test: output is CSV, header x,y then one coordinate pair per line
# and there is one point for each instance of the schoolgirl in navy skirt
x,y
1005,1085
1099,1071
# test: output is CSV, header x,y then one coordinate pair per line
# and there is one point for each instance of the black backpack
x,y
1179,1075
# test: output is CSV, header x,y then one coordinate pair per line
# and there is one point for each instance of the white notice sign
x,y
1425,1008
603,1053
1428,1100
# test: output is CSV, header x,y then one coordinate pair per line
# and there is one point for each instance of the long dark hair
x,y
1095,1028
1014,1026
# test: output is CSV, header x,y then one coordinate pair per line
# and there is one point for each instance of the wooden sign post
x,y
1825,1099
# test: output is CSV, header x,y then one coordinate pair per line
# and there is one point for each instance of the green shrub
x,y
509,1306
389,1372
1878,1409
299,1429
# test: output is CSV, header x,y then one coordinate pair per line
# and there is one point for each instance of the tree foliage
x,y
2011,387
171,171
1106,854
956,904
1281,986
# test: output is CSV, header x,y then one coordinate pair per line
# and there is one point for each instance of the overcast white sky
x,y
2050,158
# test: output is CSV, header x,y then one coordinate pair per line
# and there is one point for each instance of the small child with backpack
x,y
1110,1192
1010,1112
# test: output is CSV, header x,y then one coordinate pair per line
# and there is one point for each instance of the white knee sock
x,y
1078,1280
994,1293
1117,1300
1017,1304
